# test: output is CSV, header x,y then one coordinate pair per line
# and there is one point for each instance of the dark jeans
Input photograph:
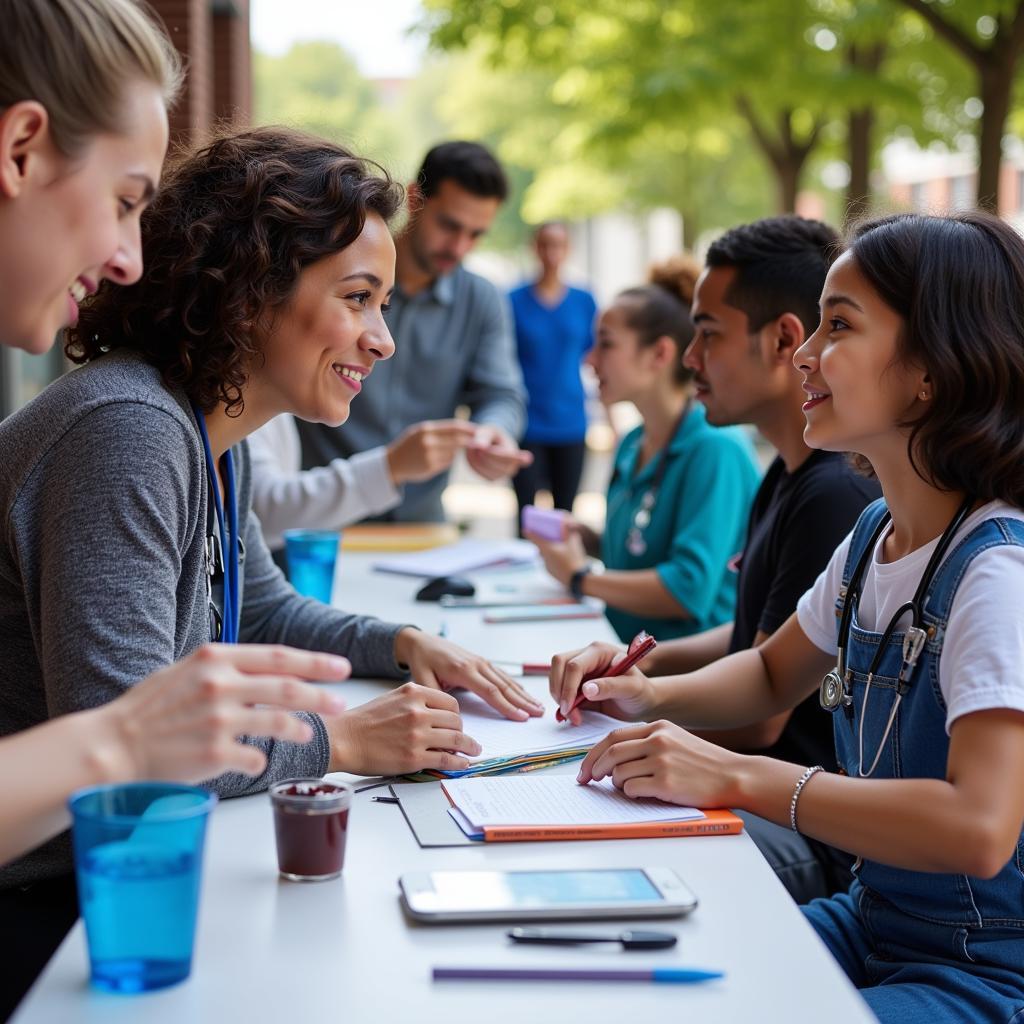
x,y
556,466
33,923
808,869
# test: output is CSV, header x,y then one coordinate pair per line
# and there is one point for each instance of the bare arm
x,y
689,653
757,735
746,687
640,592
968,823
182,723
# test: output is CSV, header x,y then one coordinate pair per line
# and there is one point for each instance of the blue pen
x,y
669,975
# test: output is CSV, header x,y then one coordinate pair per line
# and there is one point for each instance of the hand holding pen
x,y
594,675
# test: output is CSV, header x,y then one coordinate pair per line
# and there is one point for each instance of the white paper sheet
x,y
452,559
503,737
555,800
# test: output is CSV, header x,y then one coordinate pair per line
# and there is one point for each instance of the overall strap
x,y
995,532
863,531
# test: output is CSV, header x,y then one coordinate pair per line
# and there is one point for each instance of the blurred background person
x,y
452,332
285,496
554,325
680,490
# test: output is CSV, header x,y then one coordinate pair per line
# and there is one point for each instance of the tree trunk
x,y
788,168
996,91
783,152
995,64
860,128
858,191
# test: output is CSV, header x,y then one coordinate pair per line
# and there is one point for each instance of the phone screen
x,y
517,890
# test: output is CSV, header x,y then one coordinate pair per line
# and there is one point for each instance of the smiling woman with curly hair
x,y
224,246
268,263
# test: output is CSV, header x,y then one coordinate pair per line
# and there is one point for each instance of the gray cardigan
x,y
103,491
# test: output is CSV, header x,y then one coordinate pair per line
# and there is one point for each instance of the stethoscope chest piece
x,y
832,694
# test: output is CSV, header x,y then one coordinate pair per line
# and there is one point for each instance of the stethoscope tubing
x,y
912,645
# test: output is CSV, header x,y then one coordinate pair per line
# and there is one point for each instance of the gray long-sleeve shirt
x,y
453,346
103,491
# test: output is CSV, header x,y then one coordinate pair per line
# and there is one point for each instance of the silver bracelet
x,y
801,782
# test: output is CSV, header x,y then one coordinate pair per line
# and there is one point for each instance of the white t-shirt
x,y
982,662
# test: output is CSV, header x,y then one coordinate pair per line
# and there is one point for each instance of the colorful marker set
x,y
504,765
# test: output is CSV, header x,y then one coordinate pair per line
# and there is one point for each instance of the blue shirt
x,y
552,341
697,524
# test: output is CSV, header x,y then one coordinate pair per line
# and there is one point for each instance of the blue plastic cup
x,y
138,861
311,555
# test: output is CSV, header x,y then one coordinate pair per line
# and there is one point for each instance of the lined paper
x,y
555,800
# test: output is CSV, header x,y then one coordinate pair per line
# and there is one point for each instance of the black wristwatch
x,y
576,581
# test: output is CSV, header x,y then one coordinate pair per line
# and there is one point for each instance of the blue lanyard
x,y
228,531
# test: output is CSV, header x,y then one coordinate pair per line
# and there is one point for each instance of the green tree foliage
x,y
989,36
803,80
627,68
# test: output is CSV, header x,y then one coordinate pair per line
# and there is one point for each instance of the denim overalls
x,y
925,947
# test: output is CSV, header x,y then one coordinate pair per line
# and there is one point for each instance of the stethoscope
x,y
834,692
223,538
636,542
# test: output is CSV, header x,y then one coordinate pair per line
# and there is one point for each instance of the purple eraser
x,y
548,523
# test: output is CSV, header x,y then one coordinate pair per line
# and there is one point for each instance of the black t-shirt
x,y
796,523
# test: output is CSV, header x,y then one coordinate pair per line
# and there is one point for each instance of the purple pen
x,y
670,975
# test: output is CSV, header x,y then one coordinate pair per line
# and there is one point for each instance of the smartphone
x,y
547,523
442,896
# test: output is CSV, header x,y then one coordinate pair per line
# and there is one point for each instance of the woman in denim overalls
x,y
918,367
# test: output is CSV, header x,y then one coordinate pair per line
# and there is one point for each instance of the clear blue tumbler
x,y
138,861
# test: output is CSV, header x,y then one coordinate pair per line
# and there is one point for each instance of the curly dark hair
x,y
224,242
958,284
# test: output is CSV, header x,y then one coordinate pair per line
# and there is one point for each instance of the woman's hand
x,y
440,664
561,557
184,721
407,730
662,760
629,696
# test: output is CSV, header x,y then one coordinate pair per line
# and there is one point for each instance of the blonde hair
x,y
79,58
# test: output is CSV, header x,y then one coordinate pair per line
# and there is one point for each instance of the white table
x,y
269,950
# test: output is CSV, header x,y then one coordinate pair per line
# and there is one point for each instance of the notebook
x,y
557,807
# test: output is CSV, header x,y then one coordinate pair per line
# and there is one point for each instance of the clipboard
x,y
425,809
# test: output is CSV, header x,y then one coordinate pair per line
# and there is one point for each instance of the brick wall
x,y
232,63
213,38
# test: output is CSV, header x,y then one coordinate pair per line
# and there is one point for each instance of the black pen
x,y
628,940
385,799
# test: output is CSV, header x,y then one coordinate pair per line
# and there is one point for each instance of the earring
x,y
923,395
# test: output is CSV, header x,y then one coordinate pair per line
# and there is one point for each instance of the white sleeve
x,y
816,609
285,496
983,653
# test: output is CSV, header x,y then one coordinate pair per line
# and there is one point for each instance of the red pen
x,y
640,646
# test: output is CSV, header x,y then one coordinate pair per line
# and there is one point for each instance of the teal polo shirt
x,y
698,522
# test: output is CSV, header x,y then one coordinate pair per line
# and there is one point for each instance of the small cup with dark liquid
x,y
311,822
